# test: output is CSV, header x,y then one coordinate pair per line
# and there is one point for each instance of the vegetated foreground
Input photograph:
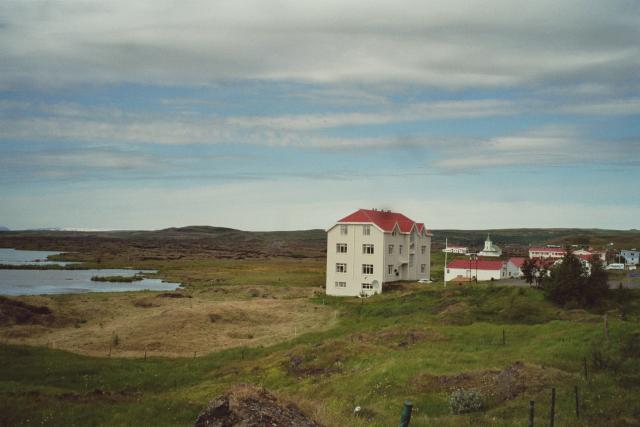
x,y
419,342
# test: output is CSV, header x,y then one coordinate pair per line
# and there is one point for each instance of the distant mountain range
x,y
3,228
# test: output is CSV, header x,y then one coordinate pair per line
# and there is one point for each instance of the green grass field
x,y
417,343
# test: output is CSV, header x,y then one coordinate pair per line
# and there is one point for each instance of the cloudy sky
x,y
269,115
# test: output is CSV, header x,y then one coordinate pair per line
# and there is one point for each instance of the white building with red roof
x,y
461,270
372,247
514,266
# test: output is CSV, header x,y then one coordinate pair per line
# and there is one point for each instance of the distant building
x,y
514,266
555,252
369,248
588,255
462,270
631,257
545,252
456,249
490,249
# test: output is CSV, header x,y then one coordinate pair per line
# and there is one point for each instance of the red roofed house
x,y
372,247
514,266
466,270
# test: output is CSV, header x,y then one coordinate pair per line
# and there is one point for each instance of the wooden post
x,y
145,355
606,327
109,351
405,418
552,415
586,374
532,405
504,338
575,389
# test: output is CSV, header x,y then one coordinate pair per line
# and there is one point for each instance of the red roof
x,y
481,264
386,220
517,261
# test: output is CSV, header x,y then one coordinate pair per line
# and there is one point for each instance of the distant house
x,y
631,257
372,247
490,249
462,270
456,249
587,255
514,266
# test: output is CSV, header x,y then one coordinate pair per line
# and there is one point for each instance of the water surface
x,y
10,256
36,282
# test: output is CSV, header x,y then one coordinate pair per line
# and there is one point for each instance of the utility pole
x,y
446,244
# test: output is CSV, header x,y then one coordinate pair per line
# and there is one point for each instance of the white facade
x,y
362,257
453,274
490,249
632,257
456,250
545,252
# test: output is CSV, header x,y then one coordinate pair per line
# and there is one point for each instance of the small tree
x,y
534,272
571,282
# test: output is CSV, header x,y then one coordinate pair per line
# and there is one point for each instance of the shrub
x,y
463,401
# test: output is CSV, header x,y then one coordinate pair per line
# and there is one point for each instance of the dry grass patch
x,y
168,326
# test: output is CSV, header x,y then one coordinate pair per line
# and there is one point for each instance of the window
x,y
341,284
411,259
343,230
367,268
423,268
423,250
341,248
390,269
367,249
394,233
341,268
366,230
400,249
367,286
390,249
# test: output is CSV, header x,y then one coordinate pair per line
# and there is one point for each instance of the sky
x,y
281,115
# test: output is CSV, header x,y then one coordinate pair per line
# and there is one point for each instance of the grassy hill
x,y
415,343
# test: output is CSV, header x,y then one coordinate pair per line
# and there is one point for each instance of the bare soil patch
x,y
247,405
496,385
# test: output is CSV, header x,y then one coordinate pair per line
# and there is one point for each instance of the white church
x,y
372,247
490,249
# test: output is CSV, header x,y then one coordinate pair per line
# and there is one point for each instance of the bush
x,y
463,401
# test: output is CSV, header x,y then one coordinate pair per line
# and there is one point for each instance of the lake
x,y
10,256
37,282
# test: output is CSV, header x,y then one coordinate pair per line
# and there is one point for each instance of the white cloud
x,y
437,43
551,145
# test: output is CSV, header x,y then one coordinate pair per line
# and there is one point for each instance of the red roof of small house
x,y
386,220
517,261
481,264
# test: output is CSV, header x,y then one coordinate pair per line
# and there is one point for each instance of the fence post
x,y
504,338
532,405
406,414
586,375
606,327
575,389
552,416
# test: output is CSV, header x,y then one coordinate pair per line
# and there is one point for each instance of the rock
x,y
248,406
